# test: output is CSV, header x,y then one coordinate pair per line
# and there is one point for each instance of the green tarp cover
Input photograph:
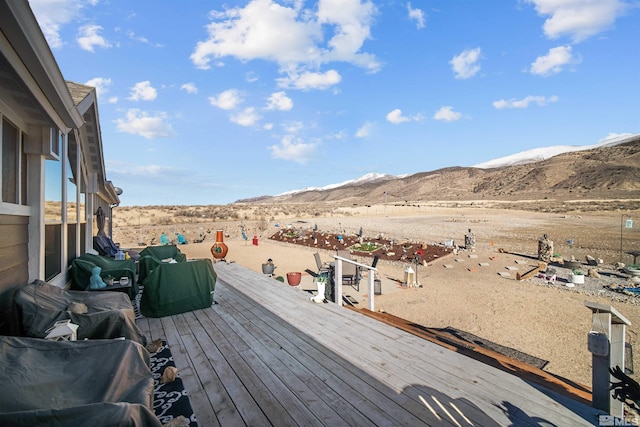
x,y
75,383
152,256
177,288
81,271
110,314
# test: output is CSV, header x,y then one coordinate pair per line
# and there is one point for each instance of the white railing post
x,y
337,279
338,282
372,277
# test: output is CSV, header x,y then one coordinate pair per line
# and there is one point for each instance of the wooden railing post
x,y
613,324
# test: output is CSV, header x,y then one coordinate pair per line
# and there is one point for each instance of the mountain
x,y
604,172
539,154
365,179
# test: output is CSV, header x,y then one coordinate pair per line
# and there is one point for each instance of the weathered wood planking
x,y
402,363
266,355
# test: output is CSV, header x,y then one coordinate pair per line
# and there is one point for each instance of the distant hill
x,y
605,172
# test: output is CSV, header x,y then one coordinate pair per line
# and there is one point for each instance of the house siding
x,y
14,269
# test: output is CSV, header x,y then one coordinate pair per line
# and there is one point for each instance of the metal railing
x,y
338,279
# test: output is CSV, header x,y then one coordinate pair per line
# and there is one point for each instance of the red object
x,y
219,249
294,278
255,240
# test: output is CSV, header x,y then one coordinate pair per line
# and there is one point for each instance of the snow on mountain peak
x,y
539,154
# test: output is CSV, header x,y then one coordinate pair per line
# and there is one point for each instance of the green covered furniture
x,y
173,288
152,256
81,271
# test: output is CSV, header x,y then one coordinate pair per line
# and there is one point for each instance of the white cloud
x,y
351,23
447,114
246,117
365,130
396,117
88,37
189,88
524,103
141,39
292,37
416,15
279,101
227,100
141,123
112,100
294,149
143,91
579,19
553,61
292,126
52,15
101,84
310,80
466,65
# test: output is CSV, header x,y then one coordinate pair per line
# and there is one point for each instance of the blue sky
x,y
207,102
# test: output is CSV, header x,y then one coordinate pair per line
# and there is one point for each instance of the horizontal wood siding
x,y
14,265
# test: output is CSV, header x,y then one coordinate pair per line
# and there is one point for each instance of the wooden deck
x,y
266,355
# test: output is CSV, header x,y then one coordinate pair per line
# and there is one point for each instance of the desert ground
x,y
472,290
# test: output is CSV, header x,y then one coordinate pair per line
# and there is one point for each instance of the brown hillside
x,y
603,173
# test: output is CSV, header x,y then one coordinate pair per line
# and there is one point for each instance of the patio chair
x,y
182,240
323,267
374,263
350,272
164,240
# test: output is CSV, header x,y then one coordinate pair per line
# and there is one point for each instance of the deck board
x,y
266,355
418,360
326,385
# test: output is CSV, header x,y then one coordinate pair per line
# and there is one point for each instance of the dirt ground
x,y
474,291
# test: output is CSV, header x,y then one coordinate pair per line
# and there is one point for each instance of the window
x,y
72,196
52,218
9,162
52,249
72,160
23,173
53,191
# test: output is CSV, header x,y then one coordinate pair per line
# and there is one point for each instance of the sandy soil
x,y
462,290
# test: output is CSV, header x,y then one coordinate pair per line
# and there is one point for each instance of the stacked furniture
x,y
109,314
172,284
82,266
96,380
65,383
